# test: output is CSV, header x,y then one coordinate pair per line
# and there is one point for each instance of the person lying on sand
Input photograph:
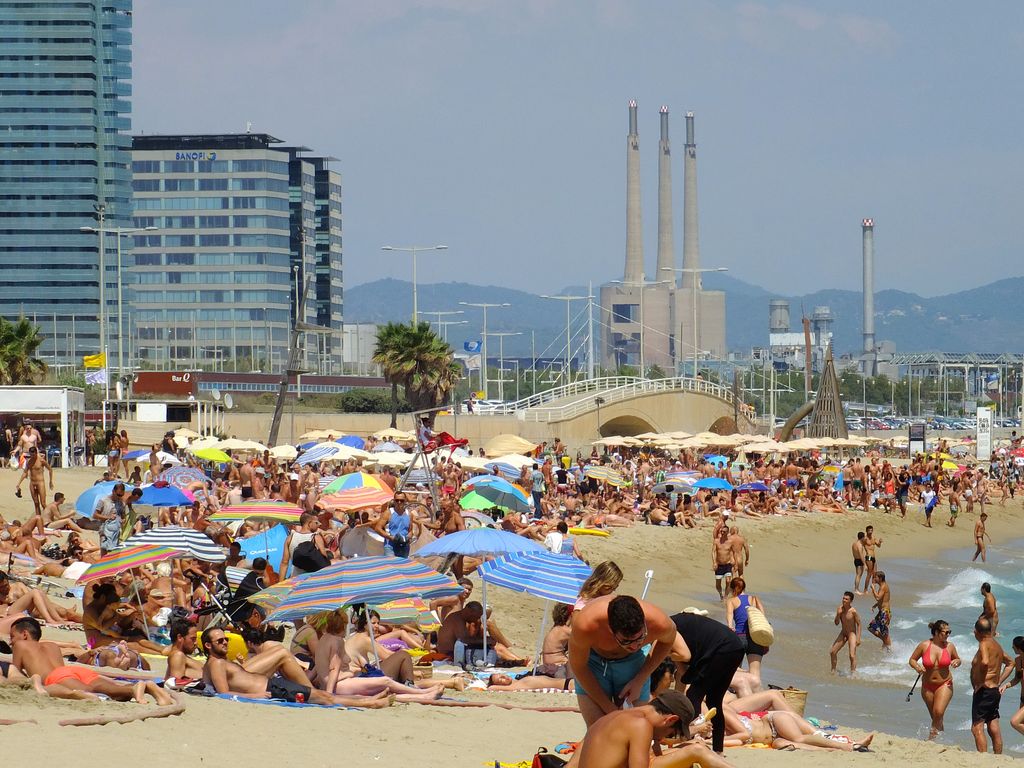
x,y
502,682
15,598
624,738
228,677
52,677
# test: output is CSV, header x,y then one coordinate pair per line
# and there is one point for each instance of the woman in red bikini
x,y
934,660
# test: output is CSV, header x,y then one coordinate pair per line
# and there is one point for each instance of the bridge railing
x,y
624,391
581,387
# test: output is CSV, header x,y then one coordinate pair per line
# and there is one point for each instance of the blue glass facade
x,y
65,88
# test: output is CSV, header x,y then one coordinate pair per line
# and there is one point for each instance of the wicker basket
x,y
796,698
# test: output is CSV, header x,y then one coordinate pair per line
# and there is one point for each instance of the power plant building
x,y
664,321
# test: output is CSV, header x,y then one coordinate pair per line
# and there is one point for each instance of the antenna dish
x,y
229,401
215,394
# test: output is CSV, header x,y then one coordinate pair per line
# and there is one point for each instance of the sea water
x,y
922,591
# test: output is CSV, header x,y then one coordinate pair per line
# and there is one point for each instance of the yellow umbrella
x,y
211,454
950,465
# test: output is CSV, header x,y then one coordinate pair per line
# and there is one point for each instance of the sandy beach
x,y
783,551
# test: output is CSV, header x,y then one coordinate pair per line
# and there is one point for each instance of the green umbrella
x,y
474,500
211,454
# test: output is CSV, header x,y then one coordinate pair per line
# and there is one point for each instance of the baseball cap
x,y
677,704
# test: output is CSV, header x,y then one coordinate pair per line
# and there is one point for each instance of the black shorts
x,y
284,689
985,705
858,563
723,570
750,647
246,491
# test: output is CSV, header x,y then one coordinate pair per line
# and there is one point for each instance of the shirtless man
x,y
29,438
990,668
228,677
858,563
466,626
740,550
55,518
870,561
180,663
245,476
848,622
989,610
34,470
879,626
625,739
606,652
722,559
44,664
980,534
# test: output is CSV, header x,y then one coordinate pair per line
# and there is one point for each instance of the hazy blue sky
x,y
498,128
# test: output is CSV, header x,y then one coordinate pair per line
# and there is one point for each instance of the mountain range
x,y
983,319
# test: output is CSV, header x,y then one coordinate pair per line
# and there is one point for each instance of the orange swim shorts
x,y
81,674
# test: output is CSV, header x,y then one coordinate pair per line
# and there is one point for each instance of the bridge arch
x,y
625,424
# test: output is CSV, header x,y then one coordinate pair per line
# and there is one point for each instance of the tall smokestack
x,y
868,239
666,246
691,235
634,238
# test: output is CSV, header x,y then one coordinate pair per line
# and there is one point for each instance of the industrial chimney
x,y
691,239
868,241
634,272
666,260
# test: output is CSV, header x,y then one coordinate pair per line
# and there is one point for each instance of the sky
x,y
498,128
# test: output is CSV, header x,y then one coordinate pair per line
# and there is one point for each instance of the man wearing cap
x,y
624,739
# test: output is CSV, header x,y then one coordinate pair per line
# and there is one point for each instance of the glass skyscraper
x,y
65,72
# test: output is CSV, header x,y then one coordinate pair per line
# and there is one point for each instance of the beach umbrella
x,y
160,495
363,580
474,501
212,454
185,432
485,496
270,597
713,483
541,574
356,498
754,487
506,470
717,459
408,610
475,519
85,504
674,486
135,455
352,441
318,453
306,446
127,558
234,444
477,542
263,511
391,459
606,474
167,458
183,477
353,480
320,434
394,434
192,543
286,452
950,465
387,447
497,484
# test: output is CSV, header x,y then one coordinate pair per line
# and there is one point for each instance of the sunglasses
x,y
219,640
633,641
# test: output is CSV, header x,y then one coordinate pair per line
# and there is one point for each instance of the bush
x,y
365,400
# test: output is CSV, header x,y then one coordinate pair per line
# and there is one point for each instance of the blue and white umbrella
x,y
507,471
191,542
352,441
541,574
388,447
318,453
85,504
714,483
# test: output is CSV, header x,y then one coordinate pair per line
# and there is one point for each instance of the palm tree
x,y
414,357
19,343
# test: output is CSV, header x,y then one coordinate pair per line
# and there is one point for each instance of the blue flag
x,y
471,346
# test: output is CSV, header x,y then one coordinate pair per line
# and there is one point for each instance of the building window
x,y
625,313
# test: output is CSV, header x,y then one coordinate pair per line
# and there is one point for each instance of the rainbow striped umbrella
x,y
607,474
357,498
408,610
266,511
126,559
363,580
271,597
354,480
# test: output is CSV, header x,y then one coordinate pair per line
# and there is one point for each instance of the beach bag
x,y
758,628
308,558
544,759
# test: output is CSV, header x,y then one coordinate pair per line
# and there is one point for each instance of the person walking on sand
x,y
934,661
870,560
848,621
980,534
989,670
858,563
722,560
989,609
879,626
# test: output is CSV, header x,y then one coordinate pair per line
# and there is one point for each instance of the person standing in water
x,y
980,534
934,661
848,622
989,609
879,626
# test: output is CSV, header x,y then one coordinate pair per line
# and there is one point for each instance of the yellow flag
x,y
95,361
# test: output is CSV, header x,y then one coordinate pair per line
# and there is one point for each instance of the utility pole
x,y
568,330
483,339
590,331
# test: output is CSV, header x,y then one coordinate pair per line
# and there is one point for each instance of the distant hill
x,y
985,319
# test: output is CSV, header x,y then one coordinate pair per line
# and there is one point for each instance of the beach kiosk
x,y
68,403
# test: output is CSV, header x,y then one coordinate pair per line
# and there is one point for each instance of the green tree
x,y
366,400
415,358
19,343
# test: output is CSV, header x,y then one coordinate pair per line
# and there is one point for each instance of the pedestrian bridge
x,y
616,405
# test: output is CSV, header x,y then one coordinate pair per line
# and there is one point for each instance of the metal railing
x,y
581,387
624,389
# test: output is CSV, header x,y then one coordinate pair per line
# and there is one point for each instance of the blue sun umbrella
x,y
753,488
714,483
717,459
85,504
166,496
352,441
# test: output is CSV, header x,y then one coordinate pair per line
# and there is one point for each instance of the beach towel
x,y
280,702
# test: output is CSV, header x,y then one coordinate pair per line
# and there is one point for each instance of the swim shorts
x,y
985,705
749,646
858,563
286,690
81,674
880,624
792,483
614,674
721,571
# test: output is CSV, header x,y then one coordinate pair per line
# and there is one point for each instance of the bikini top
x,y
944,658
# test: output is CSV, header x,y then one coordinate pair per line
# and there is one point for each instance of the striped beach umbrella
x,y
271,597
541,574
356,498
318,453
354,480
183,477
605,474
126,559
263,511
192,543
497,483
506,470
485,496
363,580
408,610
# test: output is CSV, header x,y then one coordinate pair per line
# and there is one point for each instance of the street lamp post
x,y
501,358
693,300
442,325
483,339
568,334
414,249
599,401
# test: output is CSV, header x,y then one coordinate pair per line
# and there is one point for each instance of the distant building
x,y
65,100
359,343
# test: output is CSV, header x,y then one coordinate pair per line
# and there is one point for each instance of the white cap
x,y
293,476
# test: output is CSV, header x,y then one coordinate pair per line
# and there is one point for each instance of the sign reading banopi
x,y
984,447
195,155
164,383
